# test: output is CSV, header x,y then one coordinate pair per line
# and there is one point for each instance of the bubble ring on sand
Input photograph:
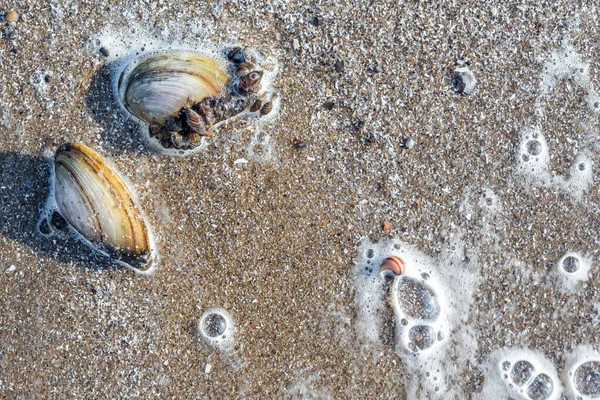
x,y
571,269
216,328
582,373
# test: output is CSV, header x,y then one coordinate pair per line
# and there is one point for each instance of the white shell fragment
x,y
90,200
464,81
408,143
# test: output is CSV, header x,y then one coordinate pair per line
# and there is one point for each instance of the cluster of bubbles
x,y
422,297
533,154
414,296
416,307
520,374
533,158
527,375
586,379
40,81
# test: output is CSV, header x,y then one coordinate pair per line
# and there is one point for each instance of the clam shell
x,y
393,263
464,81
161,85
97,204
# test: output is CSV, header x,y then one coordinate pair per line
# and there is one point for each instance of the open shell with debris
x,y
185,97
90,201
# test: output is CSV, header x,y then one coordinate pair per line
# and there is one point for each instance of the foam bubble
x,y
431,302
532,157
520,374
582,373
260,148
216,328
571,269
489,202
40,80
307,388
533,165
580,176
565,62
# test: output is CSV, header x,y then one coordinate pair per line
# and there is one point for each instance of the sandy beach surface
x,y
290,242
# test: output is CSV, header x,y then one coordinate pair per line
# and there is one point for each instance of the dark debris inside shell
x,y
184,130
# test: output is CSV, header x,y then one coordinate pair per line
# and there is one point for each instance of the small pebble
x,y
408,143
207,369
104,51
300,145
47,79
10,269
339,66
386,226
357,124
296,44
315,21
369,139
329,105
11,16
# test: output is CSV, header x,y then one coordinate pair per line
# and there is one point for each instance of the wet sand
x,y
273,241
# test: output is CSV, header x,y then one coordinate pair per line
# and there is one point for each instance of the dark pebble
x,y
104,51
14,51
329,105
339,66
58,221
369,139
458,84
316,21
300,145
373,69
357,124
47,79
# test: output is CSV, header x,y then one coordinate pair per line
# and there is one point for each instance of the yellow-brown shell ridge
x,y
95,201
161,85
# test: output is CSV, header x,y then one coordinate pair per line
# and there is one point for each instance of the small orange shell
x,y
395,264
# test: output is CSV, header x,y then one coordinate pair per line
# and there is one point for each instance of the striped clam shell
x,y
99,207
160,85
394,264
